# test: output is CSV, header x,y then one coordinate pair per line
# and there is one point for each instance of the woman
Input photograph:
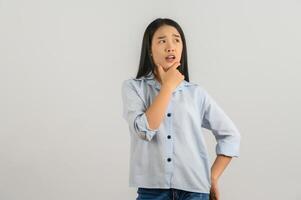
x,y
165,113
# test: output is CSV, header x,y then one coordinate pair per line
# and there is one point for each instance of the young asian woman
x,y
166,113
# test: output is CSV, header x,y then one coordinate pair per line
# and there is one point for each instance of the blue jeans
x,y
169,194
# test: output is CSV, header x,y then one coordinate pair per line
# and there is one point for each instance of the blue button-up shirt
x,y
175,154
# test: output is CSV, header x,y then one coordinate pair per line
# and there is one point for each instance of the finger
x,y
160,69
175,66
212,196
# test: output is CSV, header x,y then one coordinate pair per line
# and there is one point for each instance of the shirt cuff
x,y
142,127
228,149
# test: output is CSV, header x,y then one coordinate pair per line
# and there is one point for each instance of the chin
x,y
165,69
168,65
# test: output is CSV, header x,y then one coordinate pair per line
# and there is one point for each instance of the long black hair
x,y
146,64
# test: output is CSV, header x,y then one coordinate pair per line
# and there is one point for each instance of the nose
x,y
170,47
170,50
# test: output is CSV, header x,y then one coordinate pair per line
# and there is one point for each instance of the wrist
x,y
214,179
167,88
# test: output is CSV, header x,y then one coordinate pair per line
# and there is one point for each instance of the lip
x,y
170,60
170,55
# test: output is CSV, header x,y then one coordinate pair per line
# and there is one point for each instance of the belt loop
x,y
173,194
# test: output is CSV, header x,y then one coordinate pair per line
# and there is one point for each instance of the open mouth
x,y
170,58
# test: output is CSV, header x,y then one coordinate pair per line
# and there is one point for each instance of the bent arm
x,y
155,112
143,121
218,167
226,133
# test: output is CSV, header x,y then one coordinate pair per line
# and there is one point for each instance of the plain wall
x,y
62,135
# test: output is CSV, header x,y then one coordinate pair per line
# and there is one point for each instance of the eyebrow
x,y
161,37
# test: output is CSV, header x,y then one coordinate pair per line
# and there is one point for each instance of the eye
x,y
177,40
160,41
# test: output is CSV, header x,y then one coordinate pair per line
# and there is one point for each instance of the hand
x,y
170,78
214,191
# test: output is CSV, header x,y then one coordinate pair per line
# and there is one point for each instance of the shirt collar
x,y
151,80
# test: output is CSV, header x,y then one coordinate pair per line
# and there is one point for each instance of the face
x,y
166,47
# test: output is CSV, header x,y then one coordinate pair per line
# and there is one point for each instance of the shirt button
x,y
168,159
168,114
168,136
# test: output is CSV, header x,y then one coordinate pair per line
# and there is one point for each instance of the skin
x,y
167,40
164,42
219,165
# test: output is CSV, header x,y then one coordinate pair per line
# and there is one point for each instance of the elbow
x,y
143,129
145,134
229,146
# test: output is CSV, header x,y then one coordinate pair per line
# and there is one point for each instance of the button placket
x,y
169,115
169,141
169,157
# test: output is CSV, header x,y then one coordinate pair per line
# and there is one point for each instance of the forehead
x,y
166,30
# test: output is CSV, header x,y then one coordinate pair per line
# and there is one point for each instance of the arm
x,y
169,80
219,165
144,121
155,112
222,127
227,137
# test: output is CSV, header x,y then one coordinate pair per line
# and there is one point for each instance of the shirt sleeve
x,y
222,127
134,108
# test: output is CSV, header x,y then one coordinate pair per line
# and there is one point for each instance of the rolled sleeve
x,y
134,108
226,134
142,127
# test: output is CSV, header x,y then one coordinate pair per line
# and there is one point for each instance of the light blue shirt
x,y
175,155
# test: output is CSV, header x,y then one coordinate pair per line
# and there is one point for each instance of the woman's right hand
x,y
170,78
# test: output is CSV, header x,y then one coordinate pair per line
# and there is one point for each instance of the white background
x,y
62,135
